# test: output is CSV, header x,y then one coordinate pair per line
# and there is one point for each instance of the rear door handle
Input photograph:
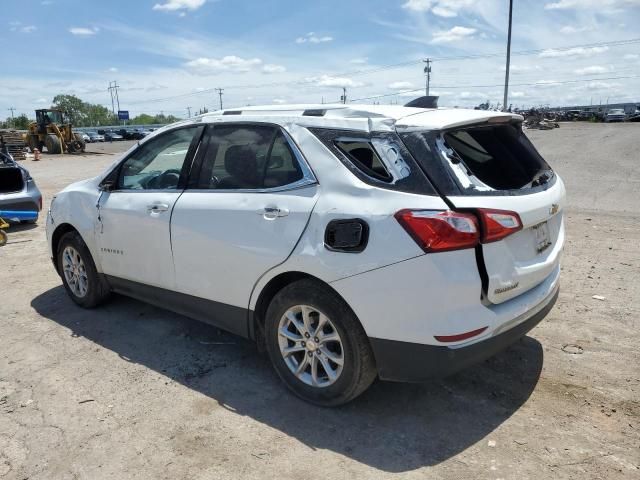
x,y
273,212
157,207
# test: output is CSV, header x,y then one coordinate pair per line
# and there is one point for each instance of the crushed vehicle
x,y
20,199
351,242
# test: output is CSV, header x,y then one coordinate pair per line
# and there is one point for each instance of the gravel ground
x,y
132,391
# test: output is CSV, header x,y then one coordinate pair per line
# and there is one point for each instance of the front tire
x,y
78,271
317,345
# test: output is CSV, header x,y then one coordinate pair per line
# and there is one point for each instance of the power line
x,y
306,81
542,84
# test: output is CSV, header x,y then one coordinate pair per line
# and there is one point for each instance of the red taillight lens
x,y
440,231
497,224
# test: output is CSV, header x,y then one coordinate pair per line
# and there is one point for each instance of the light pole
x,y
506,73
427,70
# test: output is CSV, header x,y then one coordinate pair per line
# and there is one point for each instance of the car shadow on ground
x,y
392,427
16,227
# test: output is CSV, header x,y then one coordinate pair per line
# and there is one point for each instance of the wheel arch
x,y
270,290
57,235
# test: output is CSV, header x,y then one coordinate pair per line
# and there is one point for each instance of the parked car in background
x,y
615,115
85,137
111,136
352,242
126,133
635,116
20,199
95,137
139,133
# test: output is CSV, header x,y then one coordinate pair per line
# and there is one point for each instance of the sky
x,y
171,55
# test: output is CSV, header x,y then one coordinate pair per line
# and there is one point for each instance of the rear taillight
x,y
440,231
498,224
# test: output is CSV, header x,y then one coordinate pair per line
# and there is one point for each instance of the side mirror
x,y
107,186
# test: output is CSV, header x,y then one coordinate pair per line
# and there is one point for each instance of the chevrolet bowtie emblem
x,y
554,209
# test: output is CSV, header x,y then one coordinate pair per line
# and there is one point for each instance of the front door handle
x,y
157,207
271,213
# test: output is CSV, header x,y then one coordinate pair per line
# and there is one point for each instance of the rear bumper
x,y
414,362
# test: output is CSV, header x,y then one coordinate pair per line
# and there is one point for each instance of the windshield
x,y
617,112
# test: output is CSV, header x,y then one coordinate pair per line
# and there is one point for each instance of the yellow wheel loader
x,y
50,131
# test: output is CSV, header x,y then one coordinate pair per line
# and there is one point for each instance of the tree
x,y
83,114
21,122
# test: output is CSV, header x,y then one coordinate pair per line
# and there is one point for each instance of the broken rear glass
x,y
493,158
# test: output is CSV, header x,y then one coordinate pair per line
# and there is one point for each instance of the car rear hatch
x,y
11,180
488,166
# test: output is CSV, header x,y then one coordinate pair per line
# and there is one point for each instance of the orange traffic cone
x,y
36,154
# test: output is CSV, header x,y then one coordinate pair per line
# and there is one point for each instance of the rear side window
x,y
378,158
364,156
241,157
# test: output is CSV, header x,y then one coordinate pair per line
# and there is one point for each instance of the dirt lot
x,y
131,391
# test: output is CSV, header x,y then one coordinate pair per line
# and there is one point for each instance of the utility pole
x,y
506,73
189,110
344,95
13,122
220,90
427,70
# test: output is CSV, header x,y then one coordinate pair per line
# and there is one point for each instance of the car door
x,y
243,215
134,210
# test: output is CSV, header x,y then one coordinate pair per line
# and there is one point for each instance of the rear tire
x,y
79,275
337,363
53,144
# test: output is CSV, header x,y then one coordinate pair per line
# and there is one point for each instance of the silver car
x,y
615,115
20,199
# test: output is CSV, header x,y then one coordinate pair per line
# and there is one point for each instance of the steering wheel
x,y
168,179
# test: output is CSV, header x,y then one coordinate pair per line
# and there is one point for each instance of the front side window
x,y
157,164
247,157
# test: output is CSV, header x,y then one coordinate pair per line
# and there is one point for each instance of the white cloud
x,y
230,63
359,61
19,27
592,70
570,29
517,94
453,35
279,101
602,85
311,37
440,8
327,81
272,68
173,5
591,4
631,56
113,69
400,85
573,52
83,31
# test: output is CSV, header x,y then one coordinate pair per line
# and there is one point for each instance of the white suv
x,y
351,242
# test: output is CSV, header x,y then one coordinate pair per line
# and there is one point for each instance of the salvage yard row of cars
x,y
113,135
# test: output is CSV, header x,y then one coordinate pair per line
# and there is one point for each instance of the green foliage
x,y
21,122
83,114
145,119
